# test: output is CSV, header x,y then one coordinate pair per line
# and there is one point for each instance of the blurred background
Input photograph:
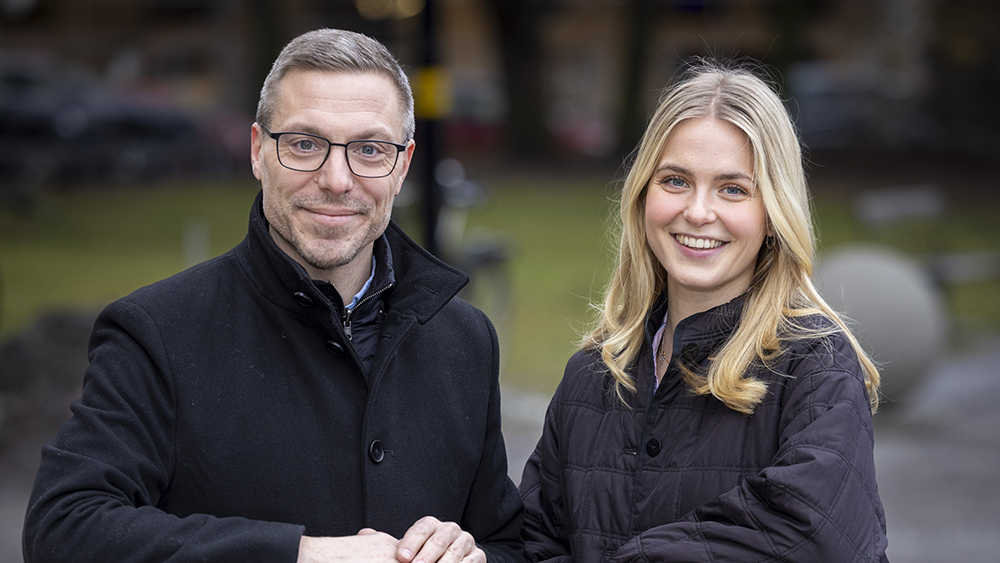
x,y
124,143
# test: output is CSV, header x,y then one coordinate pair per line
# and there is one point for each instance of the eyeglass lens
x,y
307,153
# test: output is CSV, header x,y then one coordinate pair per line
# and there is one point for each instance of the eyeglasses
x,y
304,152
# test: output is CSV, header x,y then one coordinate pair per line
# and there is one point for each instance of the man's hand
x,y
368,545
431,541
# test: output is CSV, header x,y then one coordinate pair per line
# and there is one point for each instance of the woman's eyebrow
x,y
675,168
724,176
734,176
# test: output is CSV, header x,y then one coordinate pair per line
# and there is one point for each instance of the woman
x,y
719,410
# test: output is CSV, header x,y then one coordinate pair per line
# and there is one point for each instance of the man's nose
x,y
335,173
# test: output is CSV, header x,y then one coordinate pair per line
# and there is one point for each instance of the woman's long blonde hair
x,y
781,291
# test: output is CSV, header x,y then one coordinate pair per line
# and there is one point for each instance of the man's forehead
x,y
336,91
371,84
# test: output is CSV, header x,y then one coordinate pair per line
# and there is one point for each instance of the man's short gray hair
x,y
339,51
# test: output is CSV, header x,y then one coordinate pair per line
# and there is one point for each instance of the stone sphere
x,y
892,307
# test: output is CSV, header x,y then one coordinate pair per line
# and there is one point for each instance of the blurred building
x,y
890,74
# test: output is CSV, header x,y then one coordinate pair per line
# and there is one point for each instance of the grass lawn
x,y
562,263
84,248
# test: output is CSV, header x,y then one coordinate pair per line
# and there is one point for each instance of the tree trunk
x,y
521,55
632,120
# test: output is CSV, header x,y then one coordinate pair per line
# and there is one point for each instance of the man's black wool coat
x,y
224,414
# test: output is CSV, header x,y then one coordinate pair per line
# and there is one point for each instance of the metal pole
x,y
429,132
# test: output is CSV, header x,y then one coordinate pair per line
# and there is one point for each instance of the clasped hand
x,y
427,541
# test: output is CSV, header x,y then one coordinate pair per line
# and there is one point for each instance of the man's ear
x,y
405,165
256,141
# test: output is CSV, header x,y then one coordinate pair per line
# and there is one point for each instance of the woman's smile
x,y
698,243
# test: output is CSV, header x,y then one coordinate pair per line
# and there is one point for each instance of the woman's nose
x,y
699,209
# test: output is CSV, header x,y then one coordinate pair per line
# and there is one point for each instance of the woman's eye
x,y
673,182
735,191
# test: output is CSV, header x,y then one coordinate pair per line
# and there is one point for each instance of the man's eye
x,y
370,150
302,144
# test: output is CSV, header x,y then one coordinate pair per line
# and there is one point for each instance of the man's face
x,y
329,219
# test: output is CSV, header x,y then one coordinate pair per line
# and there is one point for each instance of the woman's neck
x,y
682,303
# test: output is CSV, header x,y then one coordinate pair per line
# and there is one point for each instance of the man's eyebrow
x,y
302,129
375,134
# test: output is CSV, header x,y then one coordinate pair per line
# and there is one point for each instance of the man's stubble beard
x,y
314,250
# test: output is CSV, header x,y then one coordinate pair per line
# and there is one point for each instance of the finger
x,y
440,541
367,531
463,546
476,556
415,538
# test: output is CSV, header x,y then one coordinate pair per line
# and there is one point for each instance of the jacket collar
x,y
696,338
424,284
383,282
712,326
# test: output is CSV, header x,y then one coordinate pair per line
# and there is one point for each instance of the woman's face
x,y
705,220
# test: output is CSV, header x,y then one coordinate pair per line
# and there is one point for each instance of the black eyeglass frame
x,y
330,144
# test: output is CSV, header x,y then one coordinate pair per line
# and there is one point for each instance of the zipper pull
x,y
366,298
347,324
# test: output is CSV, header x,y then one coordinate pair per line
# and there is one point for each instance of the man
x,y
316,393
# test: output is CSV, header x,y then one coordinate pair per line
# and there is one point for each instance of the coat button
x,y
302,299
334,347
375,452
690,352
653,447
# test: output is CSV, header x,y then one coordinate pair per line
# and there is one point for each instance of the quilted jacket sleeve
x,y
100,479
816,501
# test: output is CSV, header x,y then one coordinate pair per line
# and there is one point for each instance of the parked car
x,y
60,125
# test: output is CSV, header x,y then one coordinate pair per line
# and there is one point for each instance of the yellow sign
x,y
432,93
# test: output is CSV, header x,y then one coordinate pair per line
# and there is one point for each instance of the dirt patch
x,y
41,373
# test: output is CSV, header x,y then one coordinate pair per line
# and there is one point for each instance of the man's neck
x,y
349,278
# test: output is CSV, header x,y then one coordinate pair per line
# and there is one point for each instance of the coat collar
x,y
385,277
424,284
696,338
711,326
